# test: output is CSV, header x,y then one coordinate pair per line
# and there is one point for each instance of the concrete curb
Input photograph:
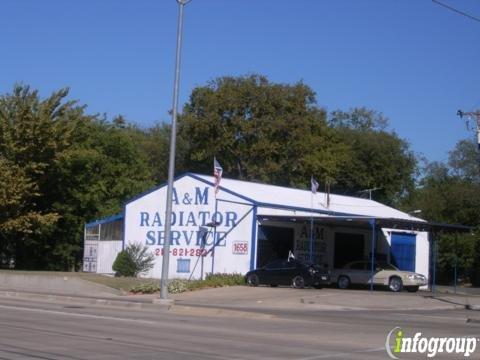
x,y
156,304
86,300
312,307
193,308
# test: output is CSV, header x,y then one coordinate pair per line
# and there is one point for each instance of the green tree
x,y
61,167
378,158
450,193
155,143
260,131
32,134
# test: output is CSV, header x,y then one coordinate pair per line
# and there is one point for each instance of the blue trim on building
x,y
253,238
317,211
196,177
155,188
372,250
104,220
124,226
193,176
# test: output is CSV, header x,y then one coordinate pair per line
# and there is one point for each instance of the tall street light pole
x,y
171,163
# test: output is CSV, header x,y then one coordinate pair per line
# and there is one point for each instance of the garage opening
x,y
274,243
348,247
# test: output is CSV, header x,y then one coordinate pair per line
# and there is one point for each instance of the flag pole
x,y
214,223
217,174
314,188
311,227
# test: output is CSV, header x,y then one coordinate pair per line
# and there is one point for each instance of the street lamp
x,y
171,163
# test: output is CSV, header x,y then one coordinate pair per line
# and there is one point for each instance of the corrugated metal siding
x,y
107,253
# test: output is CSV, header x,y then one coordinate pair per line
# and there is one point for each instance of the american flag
x,y
217,173
314,185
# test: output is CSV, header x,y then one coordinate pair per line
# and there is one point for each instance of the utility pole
x,y
472,115
171,163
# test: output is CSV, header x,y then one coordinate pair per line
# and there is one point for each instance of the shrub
x,y
133,260
139,256
219,280
177,286
123,265
147,288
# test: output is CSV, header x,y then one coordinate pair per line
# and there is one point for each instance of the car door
x,y
290,270
359,274
381,275
272,272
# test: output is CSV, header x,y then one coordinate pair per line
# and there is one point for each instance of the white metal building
x,y
256,223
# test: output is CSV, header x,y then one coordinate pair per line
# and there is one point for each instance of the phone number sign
x,y
240,247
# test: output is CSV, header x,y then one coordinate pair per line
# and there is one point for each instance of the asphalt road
x,y
35,330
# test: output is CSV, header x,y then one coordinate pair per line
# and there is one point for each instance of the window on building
x,y
183,265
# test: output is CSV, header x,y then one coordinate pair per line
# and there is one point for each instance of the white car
x,y
359,272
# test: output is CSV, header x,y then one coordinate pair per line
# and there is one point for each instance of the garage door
x,y
403,250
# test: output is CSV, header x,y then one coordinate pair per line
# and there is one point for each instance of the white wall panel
x,y
194,206
107,253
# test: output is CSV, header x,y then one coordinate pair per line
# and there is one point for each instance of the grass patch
x,y
120,283
143,285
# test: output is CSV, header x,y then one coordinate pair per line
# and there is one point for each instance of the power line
x,y
456,10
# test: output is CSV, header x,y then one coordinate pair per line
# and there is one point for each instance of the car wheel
x,y
395,284
412,289
343,282
253,280
298,282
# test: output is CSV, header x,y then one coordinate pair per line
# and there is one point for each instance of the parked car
x,y
359,272
288,272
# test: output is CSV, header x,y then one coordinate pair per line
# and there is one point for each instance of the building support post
x,y
455,264
372,265
434,260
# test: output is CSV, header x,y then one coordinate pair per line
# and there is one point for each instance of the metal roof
x,y
289,204
282,201
366,222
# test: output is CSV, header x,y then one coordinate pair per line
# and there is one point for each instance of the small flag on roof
x,y
291,256
217,173
314,185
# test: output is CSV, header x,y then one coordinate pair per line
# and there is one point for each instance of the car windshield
x,y
385,266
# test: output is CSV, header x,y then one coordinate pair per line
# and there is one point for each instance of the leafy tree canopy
x,y
450,193
58,168
260,131
378,159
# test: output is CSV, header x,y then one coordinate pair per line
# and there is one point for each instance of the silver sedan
x,y
359,272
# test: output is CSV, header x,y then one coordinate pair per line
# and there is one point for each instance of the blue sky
x,y
412,60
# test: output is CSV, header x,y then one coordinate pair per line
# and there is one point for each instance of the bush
x,y
133,260
123,265
219,280
147,288
177,286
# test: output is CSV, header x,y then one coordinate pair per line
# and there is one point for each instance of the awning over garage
x,y
366,222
